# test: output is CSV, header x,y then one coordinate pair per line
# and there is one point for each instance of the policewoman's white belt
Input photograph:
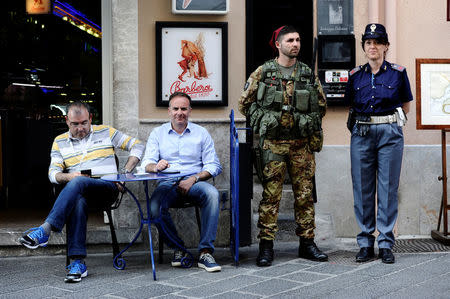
x,y
398,117
382,119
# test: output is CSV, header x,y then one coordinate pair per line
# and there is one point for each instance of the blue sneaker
x,y
35,238
77,270
207,262
178,255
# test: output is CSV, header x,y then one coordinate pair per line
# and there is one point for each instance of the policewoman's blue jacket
x,y
378,94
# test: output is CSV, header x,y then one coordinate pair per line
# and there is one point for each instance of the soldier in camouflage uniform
x,y
285,104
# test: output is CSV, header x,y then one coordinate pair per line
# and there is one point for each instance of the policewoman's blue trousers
x,y
376,161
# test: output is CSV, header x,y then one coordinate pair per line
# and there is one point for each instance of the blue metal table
x,y
119,262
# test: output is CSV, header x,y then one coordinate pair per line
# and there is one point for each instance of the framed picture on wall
x,y
448,10
432,93
210,7
192,57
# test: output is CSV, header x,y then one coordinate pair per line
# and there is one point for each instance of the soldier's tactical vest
x,y
265,113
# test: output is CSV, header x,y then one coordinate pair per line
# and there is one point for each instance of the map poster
x,y
192,58
433,93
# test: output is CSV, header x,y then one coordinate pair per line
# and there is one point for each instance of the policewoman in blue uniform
x,y
379,97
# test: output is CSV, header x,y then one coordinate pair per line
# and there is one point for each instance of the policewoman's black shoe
x,y
365,254
308,250
265,255
386,255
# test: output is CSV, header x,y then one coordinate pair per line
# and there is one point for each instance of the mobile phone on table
x,y
87,172
169,171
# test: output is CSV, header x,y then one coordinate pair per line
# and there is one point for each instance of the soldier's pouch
x,y
303,125
314,99
316,141
301,100
261,91
256,114
258,162
278,99
270,96
268,124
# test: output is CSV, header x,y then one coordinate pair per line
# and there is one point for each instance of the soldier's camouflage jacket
x,y
284,107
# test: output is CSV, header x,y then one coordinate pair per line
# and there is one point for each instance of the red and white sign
x,y
336,76
192,62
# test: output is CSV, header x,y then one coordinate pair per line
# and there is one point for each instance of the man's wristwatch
x,y
197,178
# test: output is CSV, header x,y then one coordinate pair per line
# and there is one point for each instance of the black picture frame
x,y
448,10
209,90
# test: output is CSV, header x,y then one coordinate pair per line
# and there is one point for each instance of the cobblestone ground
x,y
414,275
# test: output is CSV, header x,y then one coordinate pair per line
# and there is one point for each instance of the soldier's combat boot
x,y
265,255
308,250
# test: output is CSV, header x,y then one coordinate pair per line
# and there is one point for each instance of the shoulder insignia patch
x,y
355,70
397,67
246,85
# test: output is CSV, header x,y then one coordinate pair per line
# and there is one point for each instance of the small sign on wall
x,y
210,7
335,17
37,7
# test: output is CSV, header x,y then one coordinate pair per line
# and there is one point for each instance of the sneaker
x,y
207,262
77,270
36,237
178,255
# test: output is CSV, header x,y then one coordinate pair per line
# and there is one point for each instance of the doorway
x,y
49,60
264,16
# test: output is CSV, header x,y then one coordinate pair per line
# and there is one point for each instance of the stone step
x,y
95,235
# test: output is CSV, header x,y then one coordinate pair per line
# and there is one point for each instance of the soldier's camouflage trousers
x,y
300,163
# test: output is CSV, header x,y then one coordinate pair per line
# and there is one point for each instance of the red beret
x,y
274,38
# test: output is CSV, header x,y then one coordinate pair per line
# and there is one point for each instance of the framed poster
x,y
210,7
432,93
192,57
448,10
335,17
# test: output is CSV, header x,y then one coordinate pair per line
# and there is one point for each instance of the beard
x,y
289,53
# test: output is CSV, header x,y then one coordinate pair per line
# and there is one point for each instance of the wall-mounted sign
x,y
335,17
37,7
191,57
210,7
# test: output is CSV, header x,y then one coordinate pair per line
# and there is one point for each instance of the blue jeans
x,y
202,194
71,208
376,163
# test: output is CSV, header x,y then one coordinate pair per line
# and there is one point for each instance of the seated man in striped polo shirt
x,y
83,147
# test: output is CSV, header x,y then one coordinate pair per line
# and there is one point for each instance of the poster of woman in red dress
x,y
192,61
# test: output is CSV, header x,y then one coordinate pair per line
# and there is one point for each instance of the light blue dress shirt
x,y
191,151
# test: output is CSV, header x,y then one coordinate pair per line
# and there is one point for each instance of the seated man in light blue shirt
x,y
180,145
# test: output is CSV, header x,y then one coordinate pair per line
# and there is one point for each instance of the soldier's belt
x,y
375,120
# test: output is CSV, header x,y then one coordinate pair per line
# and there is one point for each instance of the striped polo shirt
x,y
95,151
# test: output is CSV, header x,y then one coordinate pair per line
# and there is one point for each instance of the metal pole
x,y
444,181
